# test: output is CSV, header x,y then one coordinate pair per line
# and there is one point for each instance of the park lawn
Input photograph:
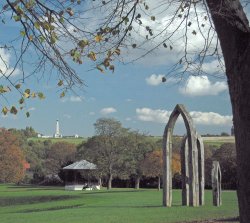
x,y
52,204
75,141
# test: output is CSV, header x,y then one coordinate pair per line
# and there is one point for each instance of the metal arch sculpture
x,y
192,163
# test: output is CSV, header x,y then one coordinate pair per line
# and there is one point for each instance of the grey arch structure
x,y
216,183
192,161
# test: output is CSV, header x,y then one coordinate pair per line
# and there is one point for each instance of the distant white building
x,y
57,134
76,136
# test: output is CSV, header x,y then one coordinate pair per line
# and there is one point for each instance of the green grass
x,y
75,141
53,204
218,141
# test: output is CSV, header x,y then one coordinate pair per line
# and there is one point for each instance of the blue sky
x,y
130,96
133,94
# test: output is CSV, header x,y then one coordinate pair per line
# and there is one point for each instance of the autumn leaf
x,y
37,25
17,86
22,33
60,83
70,11
98,38
83,43
21,100
111,67
100,68
30,38
40,95
26,95
153,18
118,51
62,94
92,56
5,110
13,110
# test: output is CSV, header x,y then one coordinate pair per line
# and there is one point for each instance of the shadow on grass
x,y
51,209
34,187
226,220
33,199
235,219
82,205
111,191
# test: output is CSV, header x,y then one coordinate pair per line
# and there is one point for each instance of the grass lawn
x,y
53,204
218,141
75,141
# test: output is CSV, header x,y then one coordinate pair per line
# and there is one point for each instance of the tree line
x,y
121,155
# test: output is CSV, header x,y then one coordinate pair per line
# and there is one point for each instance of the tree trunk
x,y
137,182
110,182
100,182
159,183
234,35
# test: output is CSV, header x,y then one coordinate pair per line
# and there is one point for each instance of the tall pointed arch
x,y
192,159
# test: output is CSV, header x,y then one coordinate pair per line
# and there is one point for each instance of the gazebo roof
x,y
81,165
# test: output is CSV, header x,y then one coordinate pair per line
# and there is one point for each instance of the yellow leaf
x,y
117,51
40,95
62,94
60,83
26,95
17,86
30,38
100,68
111,67
92,56
37,25
98,38
5,110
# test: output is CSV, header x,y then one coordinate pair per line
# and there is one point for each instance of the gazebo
x,y
71,171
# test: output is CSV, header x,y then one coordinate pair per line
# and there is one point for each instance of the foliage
x,y
58,155
108,149
139,145
153,164
226,155
11,158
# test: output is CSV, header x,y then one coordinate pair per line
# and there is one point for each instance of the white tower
x,y
57,134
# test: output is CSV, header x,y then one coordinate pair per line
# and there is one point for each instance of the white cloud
x,y
201,85
129,100
211,118
73,99
150,115
109,110
154,79
67,116
5,67
92,113
32,109
201,118
213,67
